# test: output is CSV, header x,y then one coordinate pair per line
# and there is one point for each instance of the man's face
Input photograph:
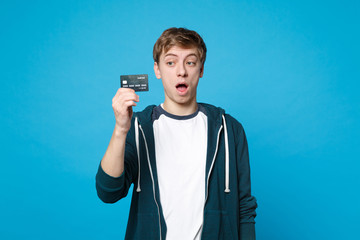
x,y
180,70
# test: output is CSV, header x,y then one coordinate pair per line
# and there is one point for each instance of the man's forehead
x,y
177,50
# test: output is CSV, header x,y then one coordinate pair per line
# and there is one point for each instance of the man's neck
x,y
180,109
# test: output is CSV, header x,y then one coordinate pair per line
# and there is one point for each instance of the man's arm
x,y
108,179
113,160
248,203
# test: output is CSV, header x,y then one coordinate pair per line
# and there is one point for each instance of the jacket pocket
x,y
217,226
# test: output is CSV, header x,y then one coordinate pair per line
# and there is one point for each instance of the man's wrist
x,y
120,132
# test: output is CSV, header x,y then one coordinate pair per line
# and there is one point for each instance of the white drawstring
x,y
138,189
151,175
227,189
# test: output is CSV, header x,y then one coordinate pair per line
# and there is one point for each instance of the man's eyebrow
x,y
170,54
192,54
174,55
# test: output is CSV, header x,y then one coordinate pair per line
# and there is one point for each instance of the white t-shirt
x,y
180,147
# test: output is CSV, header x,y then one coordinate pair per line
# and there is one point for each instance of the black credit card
x,y
137,82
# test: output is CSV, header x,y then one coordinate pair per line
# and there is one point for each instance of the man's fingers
x,y
124,91
126,96
122,108
122,103
129,104
129,100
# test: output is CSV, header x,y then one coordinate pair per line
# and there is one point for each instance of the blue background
x,y
288,70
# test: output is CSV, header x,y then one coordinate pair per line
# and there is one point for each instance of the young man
x,y
188,161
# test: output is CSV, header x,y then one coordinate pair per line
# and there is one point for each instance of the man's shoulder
x,y
147,110
216,112
211,110
145,114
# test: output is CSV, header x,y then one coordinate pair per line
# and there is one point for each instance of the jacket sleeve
x,y
247,203
111,189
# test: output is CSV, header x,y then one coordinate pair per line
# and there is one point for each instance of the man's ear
x,y
201,71
157,70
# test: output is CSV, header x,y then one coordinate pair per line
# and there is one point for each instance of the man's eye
x,y
191,63
170,63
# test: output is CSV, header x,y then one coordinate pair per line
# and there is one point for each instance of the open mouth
x,y
181,87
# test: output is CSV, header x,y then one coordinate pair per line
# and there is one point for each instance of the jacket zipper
x,y
208,177
152,177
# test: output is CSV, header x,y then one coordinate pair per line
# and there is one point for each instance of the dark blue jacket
x,y
229,209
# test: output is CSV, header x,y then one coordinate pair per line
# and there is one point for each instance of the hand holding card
x,y
137,82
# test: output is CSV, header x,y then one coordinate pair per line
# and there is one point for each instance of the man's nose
x,y
181,70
